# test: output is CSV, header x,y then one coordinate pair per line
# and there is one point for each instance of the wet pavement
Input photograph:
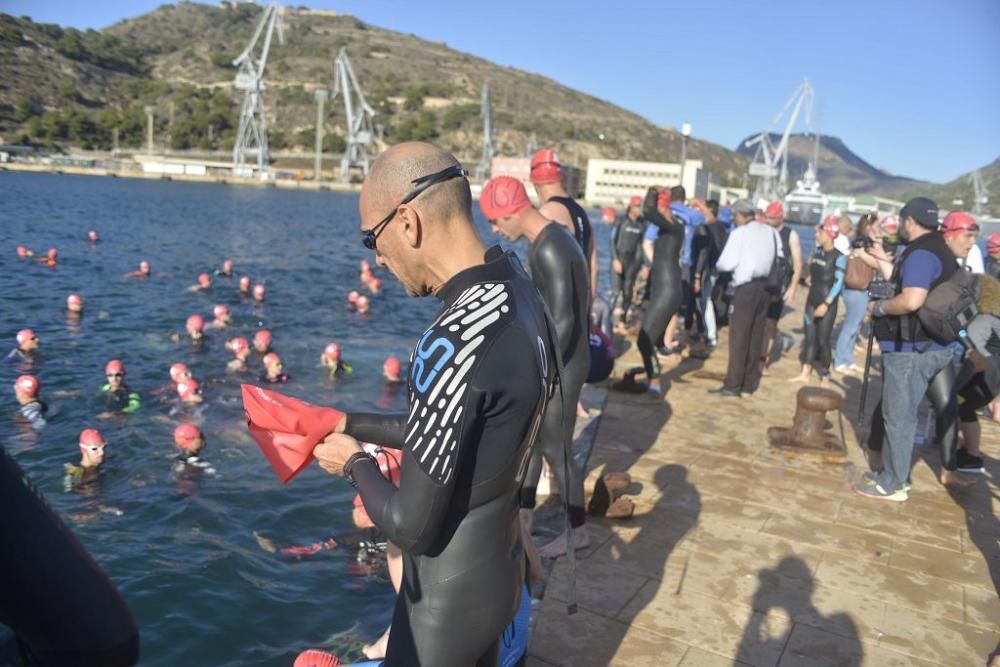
x,y
740,554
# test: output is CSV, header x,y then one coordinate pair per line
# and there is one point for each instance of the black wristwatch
x,y
349,465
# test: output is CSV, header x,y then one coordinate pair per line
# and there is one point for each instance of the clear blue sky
x,y
912,86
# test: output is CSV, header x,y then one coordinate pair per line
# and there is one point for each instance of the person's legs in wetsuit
x,y
664,302
824,344
628,285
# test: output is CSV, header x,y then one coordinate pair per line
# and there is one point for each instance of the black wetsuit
x,y
559,271
479,380
582,231
61,605
664,284
826,271
626,247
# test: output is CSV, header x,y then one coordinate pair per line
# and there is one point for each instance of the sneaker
x,y
724,393
969,463
869,488
870,478
844,369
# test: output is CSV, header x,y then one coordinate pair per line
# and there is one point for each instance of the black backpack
x,y
950,306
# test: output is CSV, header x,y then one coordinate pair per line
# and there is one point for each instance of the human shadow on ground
x,y
789,587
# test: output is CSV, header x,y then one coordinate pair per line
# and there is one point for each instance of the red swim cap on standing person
x,y
775,210
314,657
24,335
178,371
114,366
29,384
957,222
186,435
196,322
91,437
545,167
502,197
831,225
635,200
993,243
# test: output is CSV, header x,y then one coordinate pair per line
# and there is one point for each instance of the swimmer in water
x,y
92,236
195,326
272,369
204,283
352,298
241,351
145,271
50,259
259,291
227,269
27,345
392,370
117,396
191,443
331,359
23,252
91,457
455,513
179,373
363,304
189,391
262,341
222,317
375,285
74,303
245,285
32,408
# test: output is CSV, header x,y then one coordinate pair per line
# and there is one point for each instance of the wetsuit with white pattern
x,y
479,380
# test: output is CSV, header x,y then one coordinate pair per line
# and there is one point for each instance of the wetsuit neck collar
x,y
495,268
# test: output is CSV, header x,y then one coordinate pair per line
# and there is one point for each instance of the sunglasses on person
x,y
93,449
370,236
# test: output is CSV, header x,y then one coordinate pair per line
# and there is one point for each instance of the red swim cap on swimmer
x,y
831,225
352,296
776,210
271,358
186,435
502,197
144,266
286,429
92,235
392,366
22,251
263,337
74,299
27,334
316,658
245,283
635,200
376,284
178,371
204,279
545,167
993,243
187,388
332,351
51,254
220,310
91,437
365,266
363,301
259,291
29,384
238,344
958,222
196,322
114,366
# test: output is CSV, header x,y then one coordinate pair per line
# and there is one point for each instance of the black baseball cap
x,y
923,210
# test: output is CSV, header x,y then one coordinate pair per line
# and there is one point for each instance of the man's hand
x,y
616,266
978,361
820,311
790,294
333,452
697,285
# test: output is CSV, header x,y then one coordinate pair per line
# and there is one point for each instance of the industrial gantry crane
x,y
486,161
251,138
360,131
770,162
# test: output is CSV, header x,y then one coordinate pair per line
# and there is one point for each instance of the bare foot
x,y
801,379
955,479
581,412
825,382
557,547
376,650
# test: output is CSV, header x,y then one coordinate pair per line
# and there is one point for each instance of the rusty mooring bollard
x,y
807,432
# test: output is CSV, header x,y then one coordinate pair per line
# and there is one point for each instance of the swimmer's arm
x,y
838,280
555,281
387,430
651,213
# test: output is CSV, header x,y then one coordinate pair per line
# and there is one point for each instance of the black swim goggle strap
x,y
370,236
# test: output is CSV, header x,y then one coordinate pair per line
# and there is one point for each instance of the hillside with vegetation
x,y
67,87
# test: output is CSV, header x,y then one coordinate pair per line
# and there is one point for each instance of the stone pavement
x,y
740,555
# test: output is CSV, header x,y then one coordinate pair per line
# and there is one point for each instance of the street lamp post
x,y
685,133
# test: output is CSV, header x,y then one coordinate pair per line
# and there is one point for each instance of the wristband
x,y
349,465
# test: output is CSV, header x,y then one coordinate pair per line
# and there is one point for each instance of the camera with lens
x,y
881,289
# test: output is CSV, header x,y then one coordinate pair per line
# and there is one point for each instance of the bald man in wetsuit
x,y
546,176
559,270
479,381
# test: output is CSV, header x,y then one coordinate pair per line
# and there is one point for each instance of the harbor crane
x,y
770,162
486,161
359,114
251,138
982,195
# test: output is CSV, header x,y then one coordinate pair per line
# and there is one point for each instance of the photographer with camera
x,y
861,270
910,357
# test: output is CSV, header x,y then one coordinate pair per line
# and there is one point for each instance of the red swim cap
x,y
188,388
376,284
545,167
24,335
502,197
263,337
22,251
259,291
392,366
92,235
114,366
238,344
993,242
363,301
144,266
196,322
227,264
178,371
352,296
365,266
91,437
271,358
957,222
186,435
830,225
220,310
204,279
776,210
74,299
245,283
332,351
29,384
889,224
635,200
316,658
52,253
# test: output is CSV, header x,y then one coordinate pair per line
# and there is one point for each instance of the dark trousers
x,y
746,335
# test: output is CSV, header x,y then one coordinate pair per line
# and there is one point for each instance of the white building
x,y
612,182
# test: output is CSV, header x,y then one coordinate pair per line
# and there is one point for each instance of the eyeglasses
x,y
370,236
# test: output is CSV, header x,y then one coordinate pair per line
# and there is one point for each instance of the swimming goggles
x,y
370,236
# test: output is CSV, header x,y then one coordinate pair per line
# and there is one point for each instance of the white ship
x,y
805,204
